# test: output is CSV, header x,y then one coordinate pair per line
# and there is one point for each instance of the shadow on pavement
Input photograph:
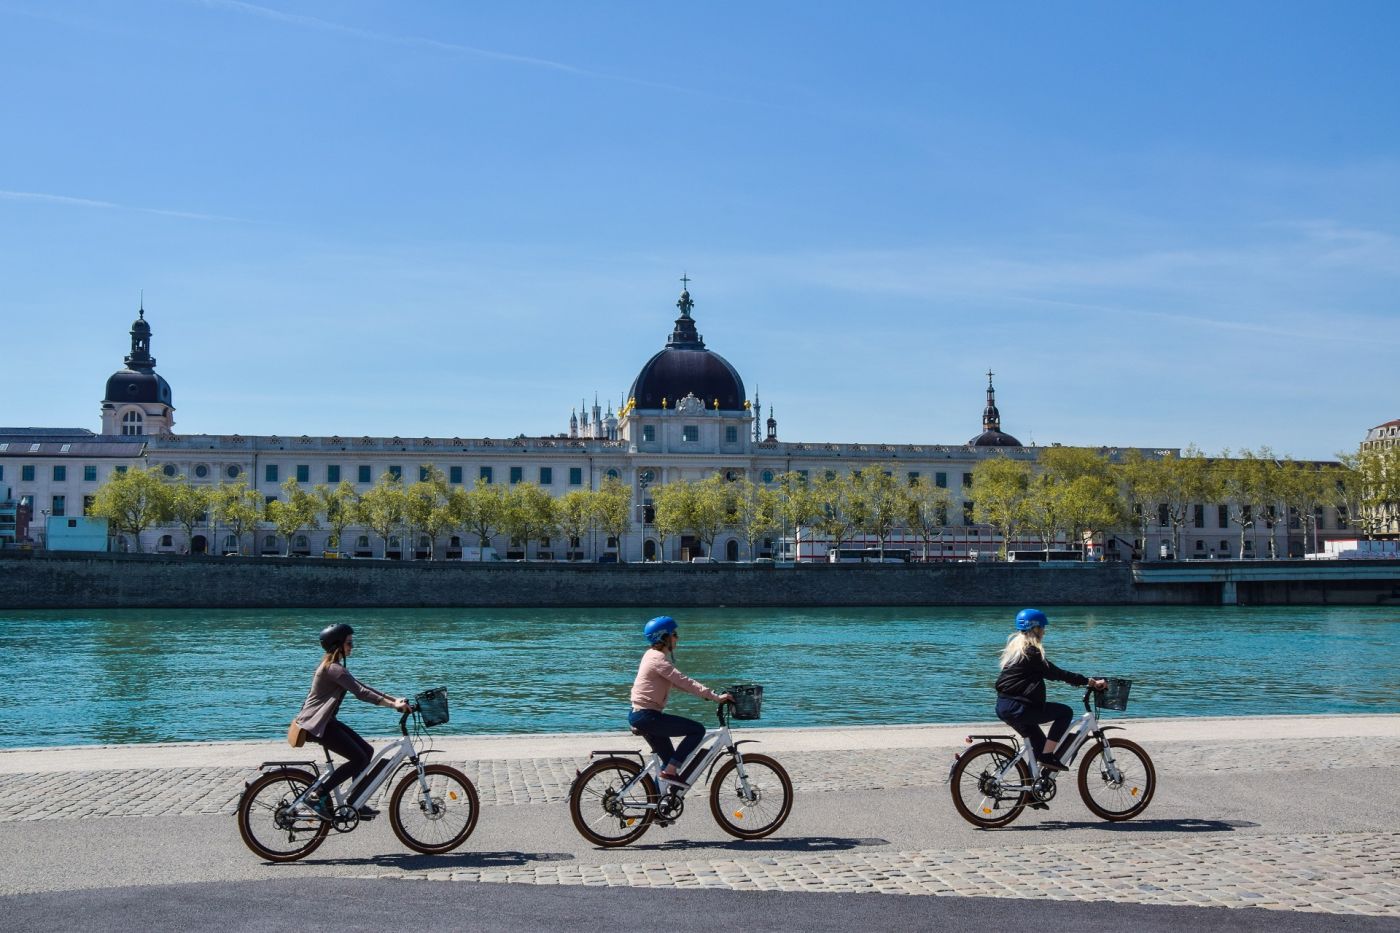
x,y
1149,826
414,862
802,844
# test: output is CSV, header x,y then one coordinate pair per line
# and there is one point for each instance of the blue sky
x,y
1160,224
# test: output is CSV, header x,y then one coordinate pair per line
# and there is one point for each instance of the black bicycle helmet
x,y
333,636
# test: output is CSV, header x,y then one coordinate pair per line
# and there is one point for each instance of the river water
x,y
157,676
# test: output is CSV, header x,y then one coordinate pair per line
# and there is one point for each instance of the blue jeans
x,y
657,728
1026,718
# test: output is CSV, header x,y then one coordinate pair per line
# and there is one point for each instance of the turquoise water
x,y
144,676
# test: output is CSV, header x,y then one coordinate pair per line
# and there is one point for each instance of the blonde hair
x,y
1019,644
333,657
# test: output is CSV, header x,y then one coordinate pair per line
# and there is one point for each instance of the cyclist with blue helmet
x,y
1021,688
656,675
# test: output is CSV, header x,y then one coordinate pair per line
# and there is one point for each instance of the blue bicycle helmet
x,y
658,628
1028,619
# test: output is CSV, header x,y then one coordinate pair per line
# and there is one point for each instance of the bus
x,y
869,555
1042,555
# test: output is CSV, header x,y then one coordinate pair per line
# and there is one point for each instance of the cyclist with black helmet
x,y
656,675
1021,688
329,685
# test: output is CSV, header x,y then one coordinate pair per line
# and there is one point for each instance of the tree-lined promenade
x,y
1067,497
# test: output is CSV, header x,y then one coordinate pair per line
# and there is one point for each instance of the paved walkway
x,y
1355,871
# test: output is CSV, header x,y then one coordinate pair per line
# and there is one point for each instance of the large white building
x,y
686,416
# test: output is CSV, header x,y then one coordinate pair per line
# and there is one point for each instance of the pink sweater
x,y
655,676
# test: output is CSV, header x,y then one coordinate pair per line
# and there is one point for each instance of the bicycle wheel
x,y
760,810
268,824
600,812
1126,796
442,819
977,794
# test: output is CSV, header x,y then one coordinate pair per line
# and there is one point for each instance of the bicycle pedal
x,y
1037,805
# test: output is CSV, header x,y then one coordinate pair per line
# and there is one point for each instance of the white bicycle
x,y
616,798
992,782
432,810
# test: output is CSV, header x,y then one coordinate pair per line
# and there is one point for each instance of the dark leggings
x,y
346,743
657,728
1026,718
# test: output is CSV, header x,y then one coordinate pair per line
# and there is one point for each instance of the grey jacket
x,y
328,688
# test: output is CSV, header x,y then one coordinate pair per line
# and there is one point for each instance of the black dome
x,y
131,386
685,367
994,439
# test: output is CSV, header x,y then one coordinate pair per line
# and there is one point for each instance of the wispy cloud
x,y
315,22
67,201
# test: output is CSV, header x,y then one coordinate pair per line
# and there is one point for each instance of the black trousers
x,y
345,742
1026,718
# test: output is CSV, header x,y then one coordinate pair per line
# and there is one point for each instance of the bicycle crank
x,y
346,819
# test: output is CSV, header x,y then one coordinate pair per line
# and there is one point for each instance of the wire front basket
x,y
1115,695
432,706
748,700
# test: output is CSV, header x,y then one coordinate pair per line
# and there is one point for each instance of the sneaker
x,y
324,807
368,813
1048,763
1038,805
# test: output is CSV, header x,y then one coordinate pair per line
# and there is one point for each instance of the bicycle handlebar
x,y
403,718
719,712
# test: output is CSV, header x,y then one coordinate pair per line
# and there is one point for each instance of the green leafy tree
x,y
292,514
612,510
133,501
382,507
1306,489
797,504
671,505
756,513
926,510
883,503
1241,481
1000,487
840,510
577,517
1186,481
426,508
189,506
1083,486
1142,484
339,505
711,509
238,507
528,514
482,511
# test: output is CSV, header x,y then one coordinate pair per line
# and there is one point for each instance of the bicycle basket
x,y
432,706
748,700
1115,695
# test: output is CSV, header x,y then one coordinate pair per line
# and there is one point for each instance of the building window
x,y
803,475
546,476
2,471
829,476
201,471
516,475
1198,517
1162,518
1200,546
575,476
169,470
87,504
731,434
613,474
121,468
131,423
270,473
967,512
303,472
333,473
690,433
967,481
362,473
485,475
396,471
1223,516
60,505
940,480
454,475
767,476
424,472
1224,546
60,474
166,541
648,433
233,471
913,477
26,473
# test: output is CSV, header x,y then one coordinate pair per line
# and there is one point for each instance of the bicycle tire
x,y
589,806
255,817
450,791
1136,789
989,757
727,779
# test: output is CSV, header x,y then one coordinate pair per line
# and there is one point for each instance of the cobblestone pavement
x,y
1340,873
183,791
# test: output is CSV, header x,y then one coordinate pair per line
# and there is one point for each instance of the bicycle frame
x,y
384,765
716,742
1082,730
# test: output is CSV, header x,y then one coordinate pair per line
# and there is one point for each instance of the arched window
x,y
731,551
167,541
613,474
300,543
649,550
362,541
132,423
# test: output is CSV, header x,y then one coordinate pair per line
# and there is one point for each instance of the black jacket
x,y
1024,680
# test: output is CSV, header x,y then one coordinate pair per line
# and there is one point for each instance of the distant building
x,y
686,416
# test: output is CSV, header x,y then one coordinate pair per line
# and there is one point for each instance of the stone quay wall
x,y
70,580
